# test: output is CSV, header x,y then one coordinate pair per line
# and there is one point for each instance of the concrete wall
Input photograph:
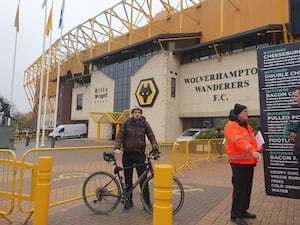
x,y
207,88
210,88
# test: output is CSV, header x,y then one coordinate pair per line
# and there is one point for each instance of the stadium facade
x,y
189,71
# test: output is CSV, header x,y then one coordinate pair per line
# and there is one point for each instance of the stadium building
x,y
186,65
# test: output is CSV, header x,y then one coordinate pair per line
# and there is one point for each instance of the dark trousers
x,y
137,159
242,178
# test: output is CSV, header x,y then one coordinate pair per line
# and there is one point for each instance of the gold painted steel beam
x,y
214,46
233,4
159,41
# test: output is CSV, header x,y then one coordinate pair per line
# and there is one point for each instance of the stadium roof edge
x,y
152,39
231,38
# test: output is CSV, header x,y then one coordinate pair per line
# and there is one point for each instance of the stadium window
x,y
250,47
173,87
79,102
225,50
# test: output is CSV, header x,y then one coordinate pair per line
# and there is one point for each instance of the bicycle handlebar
x,y
110,156
154,154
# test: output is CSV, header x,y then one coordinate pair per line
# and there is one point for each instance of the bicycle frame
x,y
103,197
149,169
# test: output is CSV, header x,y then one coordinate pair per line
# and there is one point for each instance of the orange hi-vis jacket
x,y
240,143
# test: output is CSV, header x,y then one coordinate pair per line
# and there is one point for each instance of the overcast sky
x,y
30,37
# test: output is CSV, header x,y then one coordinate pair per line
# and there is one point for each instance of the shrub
x,y
207,134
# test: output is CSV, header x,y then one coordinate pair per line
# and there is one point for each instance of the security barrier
x,y
7,182
187,153
199,150
22,137
166,150
217,148
72,165
69,169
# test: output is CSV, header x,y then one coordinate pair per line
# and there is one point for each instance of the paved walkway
x,y
208,201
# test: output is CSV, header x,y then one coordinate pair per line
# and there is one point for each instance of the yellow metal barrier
x,y
186,153
7,182
181,155
72,165
217,148
198,150
166,150
22,137
70,168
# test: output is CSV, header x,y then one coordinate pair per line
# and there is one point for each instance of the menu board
x,y
279,74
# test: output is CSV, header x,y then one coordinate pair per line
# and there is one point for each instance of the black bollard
x,y
27,140
11,144
52,142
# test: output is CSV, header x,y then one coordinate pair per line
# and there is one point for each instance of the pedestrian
x,y
219,144
243,155
27,138
131,140
219,133
294,134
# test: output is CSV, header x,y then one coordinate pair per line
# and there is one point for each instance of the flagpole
x,y
46,91
57,82
14,69
13,75
41,81
14,60
59,64
48,29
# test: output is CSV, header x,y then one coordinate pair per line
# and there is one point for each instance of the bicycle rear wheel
x,y
177,197
101,192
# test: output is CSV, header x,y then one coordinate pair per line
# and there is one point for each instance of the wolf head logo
x,y
145,92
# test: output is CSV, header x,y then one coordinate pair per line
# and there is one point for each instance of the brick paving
x,y
270,210
208,201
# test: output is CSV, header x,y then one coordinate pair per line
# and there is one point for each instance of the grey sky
x,y
30,37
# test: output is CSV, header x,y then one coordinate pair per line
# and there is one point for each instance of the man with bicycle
x,y
131,137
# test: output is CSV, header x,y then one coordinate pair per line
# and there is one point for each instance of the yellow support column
x,y
162,207
98,131
117,129
42,193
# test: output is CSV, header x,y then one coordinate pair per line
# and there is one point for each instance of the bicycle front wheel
x,y
177,196
101,192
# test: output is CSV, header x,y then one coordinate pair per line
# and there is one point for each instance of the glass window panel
x,y
173,87
79,102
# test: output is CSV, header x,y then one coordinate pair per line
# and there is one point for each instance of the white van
x,y
69,130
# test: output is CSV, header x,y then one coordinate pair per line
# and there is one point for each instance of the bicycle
x,y
103,191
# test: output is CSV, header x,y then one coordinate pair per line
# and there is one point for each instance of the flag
x,y
49,22
17,19
44,4
61,14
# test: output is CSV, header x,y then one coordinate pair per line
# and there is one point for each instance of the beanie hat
x,y
238,108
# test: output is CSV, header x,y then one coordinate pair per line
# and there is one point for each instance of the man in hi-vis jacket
x,y
243,155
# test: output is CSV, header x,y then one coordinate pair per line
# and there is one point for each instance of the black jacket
x,y
132,136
